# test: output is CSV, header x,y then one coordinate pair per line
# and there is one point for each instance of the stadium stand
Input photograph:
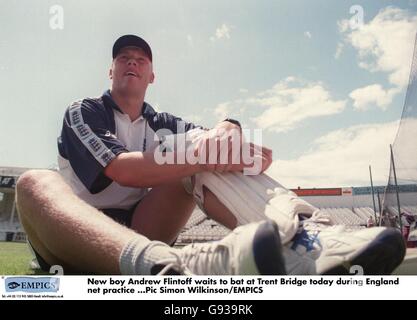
x,y
202,229
10,227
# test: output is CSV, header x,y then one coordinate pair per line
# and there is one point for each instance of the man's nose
x,y
131,61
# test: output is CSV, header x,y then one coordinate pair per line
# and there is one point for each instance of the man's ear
x,y
111,73
152,78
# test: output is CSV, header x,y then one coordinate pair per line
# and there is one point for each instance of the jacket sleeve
x,y
87,141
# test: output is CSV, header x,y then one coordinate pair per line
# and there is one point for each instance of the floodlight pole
x,y
373,195
380,210
396,189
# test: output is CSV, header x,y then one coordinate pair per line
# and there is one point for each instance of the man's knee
x,y
32,190
33,183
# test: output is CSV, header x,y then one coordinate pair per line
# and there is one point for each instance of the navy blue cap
x,y
131,40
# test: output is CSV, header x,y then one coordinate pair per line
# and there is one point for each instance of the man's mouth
x,y
131,74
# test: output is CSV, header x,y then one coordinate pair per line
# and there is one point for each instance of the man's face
x,y
131,70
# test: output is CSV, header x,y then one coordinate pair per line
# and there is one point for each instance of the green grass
x,y
15,258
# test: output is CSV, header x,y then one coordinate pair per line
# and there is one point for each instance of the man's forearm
x,y
137,169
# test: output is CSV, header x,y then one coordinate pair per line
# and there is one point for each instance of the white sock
x,y
140,255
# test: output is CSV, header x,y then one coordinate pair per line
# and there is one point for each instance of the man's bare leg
x,y
163,212
57,221
64,229
169,207
218,211
68,231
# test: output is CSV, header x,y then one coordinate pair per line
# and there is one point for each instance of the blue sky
x,y
326,87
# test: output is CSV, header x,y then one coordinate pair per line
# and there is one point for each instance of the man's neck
x,y
129,104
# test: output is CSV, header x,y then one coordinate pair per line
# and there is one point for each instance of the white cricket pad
x,y
253,198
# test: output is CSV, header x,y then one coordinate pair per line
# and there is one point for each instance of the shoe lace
x,y
207,258
174,262
317,222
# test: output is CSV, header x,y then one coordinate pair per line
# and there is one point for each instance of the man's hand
x,y
223,149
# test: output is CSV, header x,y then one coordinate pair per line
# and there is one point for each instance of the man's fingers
x,y
223,151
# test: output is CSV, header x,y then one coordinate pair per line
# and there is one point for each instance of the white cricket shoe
x,y
334,250
251,249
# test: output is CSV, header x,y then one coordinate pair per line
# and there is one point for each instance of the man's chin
x,y
130,89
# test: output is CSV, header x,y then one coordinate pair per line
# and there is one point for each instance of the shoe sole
x,y
267,249
380,257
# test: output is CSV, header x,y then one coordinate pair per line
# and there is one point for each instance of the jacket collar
x,y
108,100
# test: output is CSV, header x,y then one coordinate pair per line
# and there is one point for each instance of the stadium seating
x,y
200,228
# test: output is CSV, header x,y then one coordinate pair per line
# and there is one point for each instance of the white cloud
x,y
385,44
343,25
366,97
307,34
222,111
339,50
283,107
292,101
222,32
340,158
193,118
243,90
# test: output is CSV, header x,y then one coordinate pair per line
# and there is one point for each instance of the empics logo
x,y
31,284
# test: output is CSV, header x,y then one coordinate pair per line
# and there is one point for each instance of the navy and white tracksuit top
x,y
94,132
